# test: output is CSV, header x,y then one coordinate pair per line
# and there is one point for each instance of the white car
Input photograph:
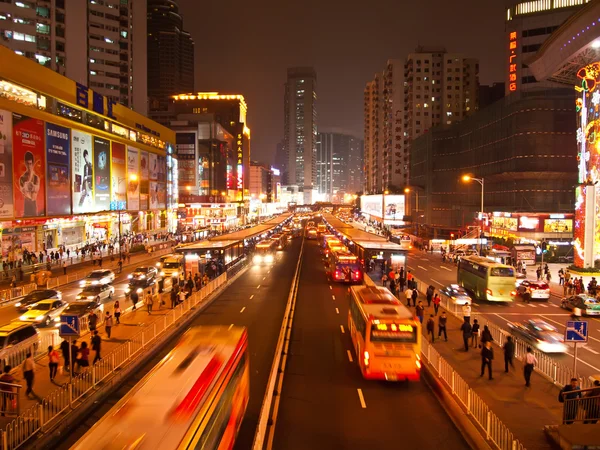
x,y
98,292
100,276
44,312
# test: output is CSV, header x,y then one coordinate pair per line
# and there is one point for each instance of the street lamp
x,y
416,222
466,179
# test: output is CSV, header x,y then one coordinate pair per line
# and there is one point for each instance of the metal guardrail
x,y
10,399
7,295
39,417
584,408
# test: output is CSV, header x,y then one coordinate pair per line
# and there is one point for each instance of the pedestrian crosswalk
x,y
520,305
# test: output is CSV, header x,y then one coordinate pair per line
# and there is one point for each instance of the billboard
x,y
394,206
144,187
118,192
102,174
133,179
144,165
82,172
58,151
153,195
162,195
28,166
6,177
153,161
558,226
186,158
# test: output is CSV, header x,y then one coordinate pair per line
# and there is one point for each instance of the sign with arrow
x,y
70,325
576,331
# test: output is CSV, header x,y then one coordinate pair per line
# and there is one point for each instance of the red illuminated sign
x,y
512,65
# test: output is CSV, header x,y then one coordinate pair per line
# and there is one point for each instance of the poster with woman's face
x,y
153,158
144,163
133,179
82,172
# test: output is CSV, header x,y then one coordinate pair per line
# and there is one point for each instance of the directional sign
x,y
69,325
577,331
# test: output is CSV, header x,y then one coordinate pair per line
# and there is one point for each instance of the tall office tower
x,y
339,161
356,178
101,44
300,131
281,162
528,24
373,155
170,54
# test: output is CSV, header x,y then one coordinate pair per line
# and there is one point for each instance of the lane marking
x,y
230,327
436,281
421,267
342,328
242,310
264,278
337,311
258,287
350,356
361,398
330,287
445,268
434,268
590,350
520,305
333,297
410,267
252,296
269,271
532,306
543,306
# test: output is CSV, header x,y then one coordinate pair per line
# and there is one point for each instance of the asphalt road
x,y
321,407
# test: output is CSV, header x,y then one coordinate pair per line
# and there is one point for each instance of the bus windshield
x,y
502,272
393,332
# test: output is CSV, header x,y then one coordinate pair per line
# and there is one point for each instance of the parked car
x,y
589,306
98,292
35,296
100,276
529,290
44,312
457,294
539,334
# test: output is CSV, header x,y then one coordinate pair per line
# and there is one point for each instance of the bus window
x,y
502,272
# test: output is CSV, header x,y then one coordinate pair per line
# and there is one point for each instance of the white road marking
x,y
361,398
590,350
410,267
230,327
258,287
520,305
333,297
532,306
445,268
434,268
330,287
342,328
242,310
350,356
516,314
435,281
543,306
264,278
421,267
475,304
252,296
337,311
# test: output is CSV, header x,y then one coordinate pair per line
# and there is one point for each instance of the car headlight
x,y
57,319
40,318
23,317
127,290
18,304
158,264
257,259
143,277
82,283
139,291
90,297
175,274
79,297
162,274
269,258
95,282
130,276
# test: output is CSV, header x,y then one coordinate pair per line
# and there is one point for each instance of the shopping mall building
x,y
74,166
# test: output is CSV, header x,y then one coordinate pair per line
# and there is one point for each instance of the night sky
x,y
246,46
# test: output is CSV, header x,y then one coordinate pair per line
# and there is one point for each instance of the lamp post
x,y
466,179
416,219
383,209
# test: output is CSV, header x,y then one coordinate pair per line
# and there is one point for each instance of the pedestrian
x,y
570,392
108,323
509,352
420,311
117,311
486,335
415,295
7,391
436,303
408,294
134,299
442,326
84,355
466,309
74,353
53,360
28,370
181,296
384,279
92,321
96,345
64,348
466,331
474,333
487,355
592,404
148,300
530,362
431,328
64,265
429,295
173,297
156,298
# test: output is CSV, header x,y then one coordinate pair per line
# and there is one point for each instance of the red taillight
x,y
488,292
513,293
337,274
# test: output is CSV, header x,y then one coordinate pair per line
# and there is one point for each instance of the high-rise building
x,y
259,180
170,54
528,24
489,94
431,87
300,131
339,163
100,44
281,162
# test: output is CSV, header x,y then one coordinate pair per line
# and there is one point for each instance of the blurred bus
x,y
487,279
311,233
195,397
321,229
264,252
332,244
344,267
385,334
281,240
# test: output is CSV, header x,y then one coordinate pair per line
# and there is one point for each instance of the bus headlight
x,y
257,259
269,258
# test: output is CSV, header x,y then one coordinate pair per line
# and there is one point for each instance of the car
x,y
84,307
143,273
529,290
98,292
33,297
44,312
588,305
17,333
457,294
100,276
540,335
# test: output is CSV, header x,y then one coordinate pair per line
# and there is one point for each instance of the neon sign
x,y
512,66
240,168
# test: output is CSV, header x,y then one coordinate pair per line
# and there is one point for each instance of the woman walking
x,y
117,312
53,360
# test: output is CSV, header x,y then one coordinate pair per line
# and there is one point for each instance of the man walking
x,y
509,353
108,323
408,294
530,362
466,309
436,303
64,348
570,392
429,295
487,355
442,326
415,295
96,345
466,332
431,328
420,312
92,321
28,369
474,333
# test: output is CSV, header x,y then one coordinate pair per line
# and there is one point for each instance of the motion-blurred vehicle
x,y
16,333
143,273
311,233
35,296
541,335
84,307
171,265
529,290
264,252
45,312
457,294
100,276
98,292
587,305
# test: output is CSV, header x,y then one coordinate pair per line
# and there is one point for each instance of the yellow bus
x,y
196,397
385,334
486,279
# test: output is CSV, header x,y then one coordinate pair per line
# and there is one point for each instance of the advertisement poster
x,y
144,165
133,179
558,225
118,199
29,167
394,207
162,195
102,174
153,158
58,142
6,179
153,195
162,168
371,204
528,223
82,172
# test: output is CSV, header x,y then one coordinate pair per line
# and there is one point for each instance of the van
x,y
20,336
171,266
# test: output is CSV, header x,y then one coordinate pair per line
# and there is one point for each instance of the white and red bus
x,y
385,334
344,267
195,397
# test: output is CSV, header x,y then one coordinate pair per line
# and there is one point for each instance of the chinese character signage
x,y
240,167
118,200
512,61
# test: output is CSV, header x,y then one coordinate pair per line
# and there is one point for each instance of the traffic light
x,y
544,247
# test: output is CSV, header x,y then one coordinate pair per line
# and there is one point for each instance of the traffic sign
x,y
69,325
577,331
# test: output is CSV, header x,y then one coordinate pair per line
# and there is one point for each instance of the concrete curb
x,y
50,438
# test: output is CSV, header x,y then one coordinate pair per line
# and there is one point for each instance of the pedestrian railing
x,y
584,408
490,426
7,295
10,399
16,354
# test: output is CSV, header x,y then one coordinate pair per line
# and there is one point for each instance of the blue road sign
x,y
577,331
69,325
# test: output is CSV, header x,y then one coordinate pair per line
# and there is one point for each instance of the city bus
x,y
385,334
281,240
344,267
196,397
331,245
265,252
486,279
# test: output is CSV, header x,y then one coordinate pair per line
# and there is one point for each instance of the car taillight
x,y
357,274
337,273
513,293
488,292
366,358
